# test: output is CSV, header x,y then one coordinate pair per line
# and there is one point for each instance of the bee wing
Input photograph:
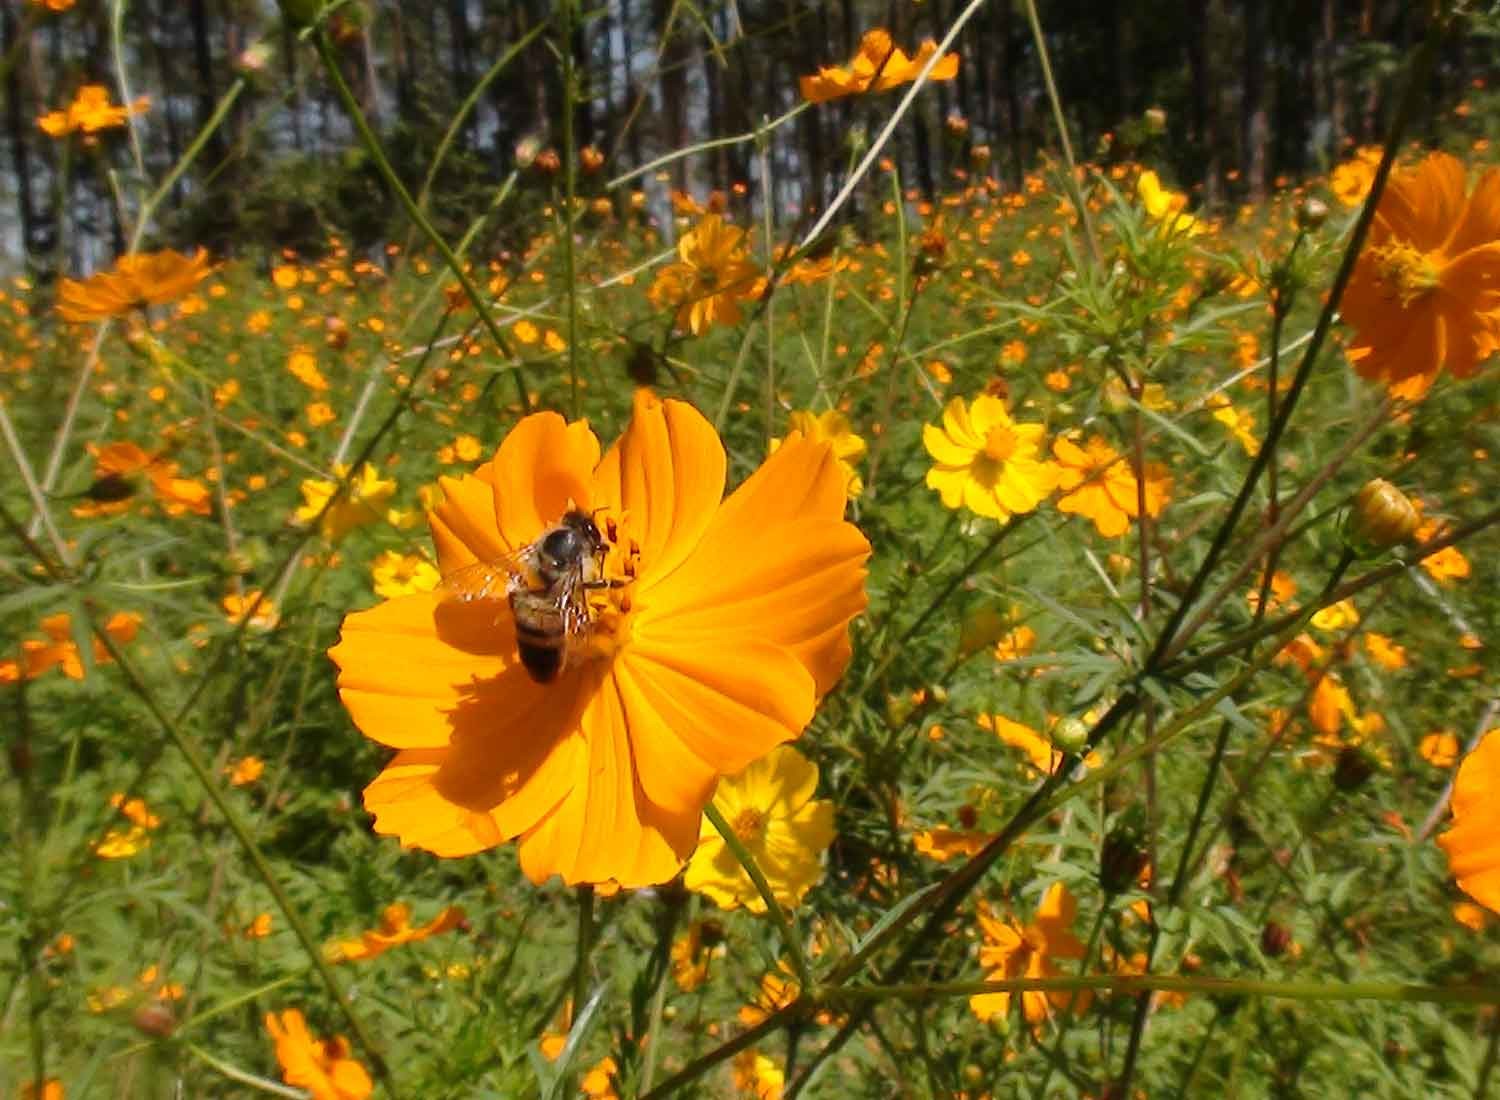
x,y
492,579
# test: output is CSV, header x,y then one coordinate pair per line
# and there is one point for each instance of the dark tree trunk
x,y
1254,118
20,128
203,59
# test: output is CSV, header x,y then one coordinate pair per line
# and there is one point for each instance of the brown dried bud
x,y
548,161
1275,939
590,159
155,1018
1383,516
1353,769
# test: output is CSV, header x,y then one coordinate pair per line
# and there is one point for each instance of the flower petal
x,y
791,583
667,472
403,663
463,525
543,467
407,805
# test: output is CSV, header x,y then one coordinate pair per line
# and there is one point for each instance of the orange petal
x,y
707,711
404,663
463,525
543,467
794,584
667,472
407,805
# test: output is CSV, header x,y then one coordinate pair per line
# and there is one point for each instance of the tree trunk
x,y
20,128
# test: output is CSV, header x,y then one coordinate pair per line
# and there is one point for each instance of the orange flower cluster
x,y
723,622
115,467
1425,293
711,276
137,280
90,112
59,649
321,1066
1012,950
395,929
877,66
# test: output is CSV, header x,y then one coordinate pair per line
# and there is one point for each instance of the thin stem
x,y
570,194
1074,192
383,166
773,907
768,216
206,781
1131,984
1416,85
585,946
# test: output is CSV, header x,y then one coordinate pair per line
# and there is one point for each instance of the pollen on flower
x,y
749,823
1407,270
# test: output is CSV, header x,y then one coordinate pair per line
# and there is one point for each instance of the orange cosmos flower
x,y
708,652
1012,951
1100,486
59,649
710,277
1424,293
1351,181
137,280
321,1066
878,66
1473,844
90,112
395,929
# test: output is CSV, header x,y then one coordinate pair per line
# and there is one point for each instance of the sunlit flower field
x,y
1035,642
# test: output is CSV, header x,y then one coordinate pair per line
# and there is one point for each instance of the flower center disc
x,y
610,604
1408,270
999,443
749,824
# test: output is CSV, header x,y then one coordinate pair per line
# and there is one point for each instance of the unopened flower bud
x,y
1353,769
1122,856
590,159
526,151
1383,516
156,1019
1070,735
1275,939
956,124
856,140
979,156
548,161
254,58
1311,213
1155,119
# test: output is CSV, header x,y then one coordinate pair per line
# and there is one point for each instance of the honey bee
x,y
547,584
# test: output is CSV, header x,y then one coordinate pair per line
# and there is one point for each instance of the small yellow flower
x,y
246,770
1241,425
396,574
363,502
832,427
986,462
236,608
711,276
771,808
1166,207
304,368
1337,616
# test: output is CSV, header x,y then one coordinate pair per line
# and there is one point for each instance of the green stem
x,y
584,948
570,196
403,196
241,831
1074,192
773,907
1132,984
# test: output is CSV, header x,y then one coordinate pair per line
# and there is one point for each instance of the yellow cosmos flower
x,y
1425,290
708,654
771,808
831,427
137,280
1167,208
1473,844
1101,486
90,112
395,929
321,1066
709,279
757,1076
396,574
265,616
1241,425
362,503
986,462
877,67
1350,182
1012,950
